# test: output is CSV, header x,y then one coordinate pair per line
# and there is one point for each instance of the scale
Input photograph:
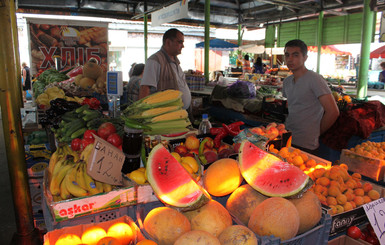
x,y
114,91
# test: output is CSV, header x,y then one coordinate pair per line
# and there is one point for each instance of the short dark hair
x,y
138,69
382,64
171,34
246,57
297,43
259,61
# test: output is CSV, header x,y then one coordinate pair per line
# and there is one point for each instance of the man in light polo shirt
x,y
162,70
312,108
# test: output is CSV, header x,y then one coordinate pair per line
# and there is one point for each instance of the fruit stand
x,y
243,179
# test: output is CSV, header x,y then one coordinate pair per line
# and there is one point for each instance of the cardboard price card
x,y
375,211
105,162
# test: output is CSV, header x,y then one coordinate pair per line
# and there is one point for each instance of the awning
x,y
378,53
218,44
328,50
253,48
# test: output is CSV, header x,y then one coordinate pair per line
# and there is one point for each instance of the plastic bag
x,y
242,90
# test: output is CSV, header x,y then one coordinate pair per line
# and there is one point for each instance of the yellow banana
x,y
86,152
57,178
107,187
59,164
57,199
99,186
91,186
71,184
64,193
69,151
80,176
53,160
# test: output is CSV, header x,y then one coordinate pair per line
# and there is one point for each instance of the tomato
x,y
106,129
86,142
76,144
354,232
372,240
89,134
94,103
364,234
115,139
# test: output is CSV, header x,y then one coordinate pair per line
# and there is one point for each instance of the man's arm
x,y
331,112
144,91
24,76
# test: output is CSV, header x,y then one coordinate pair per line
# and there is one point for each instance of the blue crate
x,y
86,219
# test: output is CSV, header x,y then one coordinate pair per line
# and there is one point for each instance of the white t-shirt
x,y
151,78
305,109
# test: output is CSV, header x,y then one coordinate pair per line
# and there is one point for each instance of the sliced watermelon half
x,y
172,183
268,174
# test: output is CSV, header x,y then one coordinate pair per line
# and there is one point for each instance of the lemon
x,y
138,177
176,156
191,162
187,167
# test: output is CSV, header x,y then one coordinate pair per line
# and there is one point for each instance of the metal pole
x,y
207,40
14,144
367,29
145,38
319,39
239,35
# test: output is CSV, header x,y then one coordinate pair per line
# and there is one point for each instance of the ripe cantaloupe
x,y
165,225
309,209
237,234
212,217
197,238
222,177
275,216
243,201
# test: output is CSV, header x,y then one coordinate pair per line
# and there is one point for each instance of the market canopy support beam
x,y
10,110
319,39
367,30
207,39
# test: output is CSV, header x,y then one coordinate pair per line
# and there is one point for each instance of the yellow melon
x,y
275,216
165,225
212,217
237,234
197,238
222,177
243,201
309,209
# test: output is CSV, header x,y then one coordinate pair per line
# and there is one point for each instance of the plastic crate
x,y
86,219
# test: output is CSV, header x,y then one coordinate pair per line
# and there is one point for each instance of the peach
x,y
192,142
341,199
181,150
367,187
331,200
323,181
359,192
334,191
373,194
359,200
348,206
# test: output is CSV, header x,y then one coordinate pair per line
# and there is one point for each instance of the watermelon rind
x,y
270,175
171,183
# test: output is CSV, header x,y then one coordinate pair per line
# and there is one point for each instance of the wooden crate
x,y
370,167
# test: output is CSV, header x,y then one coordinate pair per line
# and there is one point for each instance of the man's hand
x,y
331,112
144,91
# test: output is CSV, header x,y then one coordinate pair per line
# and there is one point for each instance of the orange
x,y
109,241
93,234
121,231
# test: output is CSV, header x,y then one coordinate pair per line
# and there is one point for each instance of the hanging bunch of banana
x,y
159,113
68,176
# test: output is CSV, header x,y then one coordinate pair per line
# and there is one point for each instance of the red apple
x,y
209,143
181,150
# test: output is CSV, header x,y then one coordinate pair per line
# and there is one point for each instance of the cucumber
x,y
78,133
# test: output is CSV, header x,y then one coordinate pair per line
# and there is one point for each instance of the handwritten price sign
x,y
375,211
105,163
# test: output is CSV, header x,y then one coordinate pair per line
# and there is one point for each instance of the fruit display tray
x,y
319,235
52,236
341,222
370,167
346,240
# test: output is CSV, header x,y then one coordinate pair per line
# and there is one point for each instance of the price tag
x,y
375,211
105,162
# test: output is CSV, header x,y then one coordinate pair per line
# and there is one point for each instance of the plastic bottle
x,y
205,125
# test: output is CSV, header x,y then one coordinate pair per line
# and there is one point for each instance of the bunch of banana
x,y
159,113
68,175
75,123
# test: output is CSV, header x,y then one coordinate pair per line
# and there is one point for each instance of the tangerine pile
x,y
297,158
339,190
370,149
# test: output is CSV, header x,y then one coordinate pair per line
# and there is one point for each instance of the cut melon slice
x,y
171,182
268,174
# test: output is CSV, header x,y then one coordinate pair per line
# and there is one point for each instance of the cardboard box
x,y
52,236
357,216
315,158
36,192
37,159
370,167
346,240
76,207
